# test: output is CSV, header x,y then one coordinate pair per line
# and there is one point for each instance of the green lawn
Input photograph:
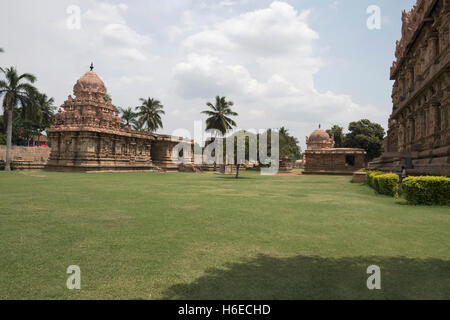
x,y
209,236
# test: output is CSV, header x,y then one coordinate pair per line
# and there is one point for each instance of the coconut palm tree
x,y
17,90
138,125
219,116
46,112
150,113
128,115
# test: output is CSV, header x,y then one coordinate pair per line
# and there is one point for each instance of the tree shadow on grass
x,y
270,278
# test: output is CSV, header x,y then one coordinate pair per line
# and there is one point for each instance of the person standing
x,y
403,176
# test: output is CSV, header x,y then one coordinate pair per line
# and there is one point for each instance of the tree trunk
x,y
9,140
237,170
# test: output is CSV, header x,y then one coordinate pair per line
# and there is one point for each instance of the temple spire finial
x,y
92,66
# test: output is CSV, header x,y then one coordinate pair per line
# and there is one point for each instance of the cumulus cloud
x,y
116,36
265,61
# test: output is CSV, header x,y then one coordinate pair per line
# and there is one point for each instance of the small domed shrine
x,y
319,139
321,158
87,136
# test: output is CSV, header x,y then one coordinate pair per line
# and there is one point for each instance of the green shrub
x,y
387,184
427,190
370,177
383,183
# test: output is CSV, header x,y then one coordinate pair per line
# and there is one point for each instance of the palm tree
x,y
150,113
138,125
219,117
128,115
46,112
283,131
16,92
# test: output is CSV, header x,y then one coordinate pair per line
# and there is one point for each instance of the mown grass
x,y
209,236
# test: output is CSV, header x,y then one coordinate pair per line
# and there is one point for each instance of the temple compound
x,y
322,158
419,133
88,136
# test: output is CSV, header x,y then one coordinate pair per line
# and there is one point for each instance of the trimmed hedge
x,y
370,177
387,184
427,190
383,183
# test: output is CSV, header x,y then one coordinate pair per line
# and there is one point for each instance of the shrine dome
x,y
319,139
90,82
319,135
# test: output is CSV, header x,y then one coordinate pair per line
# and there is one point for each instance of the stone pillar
x,y
437,116
434,49
424,122
411,76
401,137
408,133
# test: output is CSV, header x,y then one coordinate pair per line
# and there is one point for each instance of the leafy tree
x,y
17,90
150,114
338,133
219,115
366,135
128,116
288,145
45,112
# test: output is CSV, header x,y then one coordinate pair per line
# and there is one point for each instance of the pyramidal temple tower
x,y
87,135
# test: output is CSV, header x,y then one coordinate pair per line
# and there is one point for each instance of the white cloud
x,y
277,30
335,5
226,3
265,62
113,32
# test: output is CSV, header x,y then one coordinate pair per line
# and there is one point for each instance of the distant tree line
x,y
362,134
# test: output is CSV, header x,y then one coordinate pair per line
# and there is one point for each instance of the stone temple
x,y
88,136
322,158
419,132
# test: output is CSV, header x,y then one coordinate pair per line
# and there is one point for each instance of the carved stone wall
x,y
419,132
334,161
321,158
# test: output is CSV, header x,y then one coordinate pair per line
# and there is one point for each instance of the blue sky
x,y
291,63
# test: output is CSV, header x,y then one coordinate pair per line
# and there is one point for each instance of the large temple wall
x,y
419,131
